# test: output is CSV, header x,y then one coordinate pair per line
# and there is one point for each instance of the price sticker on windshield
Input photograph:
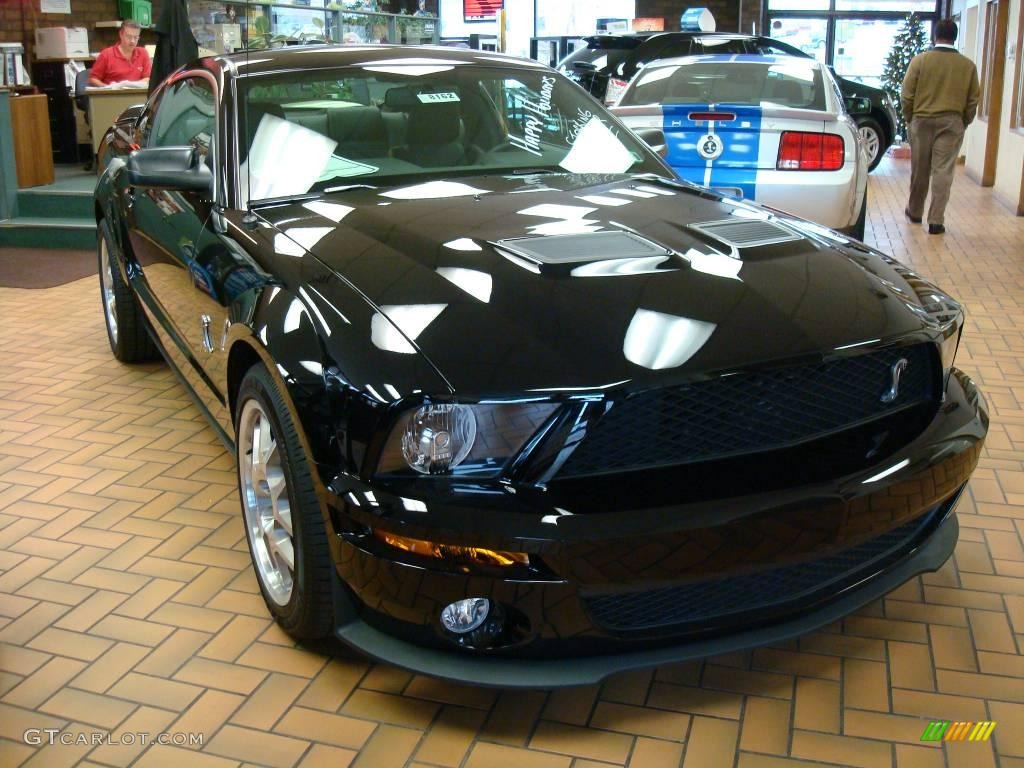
x,y
437,98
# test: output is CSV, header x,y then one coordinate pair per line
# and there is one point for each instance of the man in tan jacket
x,y
939,99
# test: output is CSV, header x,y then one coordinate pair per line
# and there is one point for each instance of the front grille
x,y
760,592
751,412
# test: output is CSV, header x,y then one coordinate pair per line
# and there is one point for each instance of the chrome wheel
x,y
872,142
109,297
264,491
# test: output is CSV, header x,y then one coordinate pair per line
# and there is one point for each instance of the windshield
x,y
308,131
789,83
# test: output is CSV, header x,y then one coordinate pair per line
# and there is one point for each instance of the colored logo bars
x,y
943,730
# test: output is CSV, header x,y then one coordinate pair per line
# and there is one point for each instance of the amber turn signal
x,y
453,552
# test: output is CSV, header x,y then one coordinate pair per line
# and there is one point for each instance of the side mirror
x,y
857,105
655,139
174,168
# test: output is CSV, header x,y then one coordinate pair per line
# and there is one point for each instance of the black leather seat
x,y
434,136
359,131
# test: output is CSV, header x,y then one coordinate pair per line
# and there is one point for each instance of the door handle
x,y
204,323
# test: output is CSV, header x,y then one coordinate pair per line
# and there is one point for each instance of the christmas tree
x,y
907,43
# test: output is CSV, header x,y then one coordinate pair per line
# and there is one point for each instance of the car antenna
x,y
249,218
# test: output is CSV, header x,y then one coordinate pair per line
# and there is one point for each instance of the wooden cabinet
x,y
33,153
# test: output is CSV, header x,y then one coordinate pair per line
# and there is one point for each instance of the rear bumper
x,y
830,198
554,673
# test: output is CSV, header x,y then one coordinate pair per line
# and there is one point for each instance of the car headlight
x,y
453,438
949,346
438,437
941,309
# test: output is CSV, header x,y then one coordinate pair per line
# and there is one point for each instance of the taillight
x,y
615,89
800,151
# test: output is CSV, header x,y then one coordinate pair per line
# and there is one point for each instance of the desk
x,y
30,127
105,104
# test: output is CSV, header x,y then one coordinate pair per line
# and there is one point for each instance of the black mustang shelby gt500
x,y
510,405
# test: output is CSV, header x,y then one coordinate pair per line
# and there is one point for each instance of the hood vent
x,y
590,246
746,233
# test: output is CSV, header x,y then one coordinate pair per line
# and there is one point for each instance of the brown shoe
x,y
909,215
936,229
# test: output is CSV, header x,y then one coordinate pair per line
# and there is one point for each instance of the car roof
x,y
651,35
272,60
734,58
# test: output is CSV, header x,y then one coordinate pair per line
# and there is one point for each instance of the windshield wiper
x,y
347,187
269,201
533,171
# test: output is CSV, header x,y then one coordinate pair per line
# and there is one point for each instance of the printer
x,y
62,43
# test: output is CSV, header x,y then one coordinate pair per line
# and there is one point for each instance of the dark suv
x,y
608,62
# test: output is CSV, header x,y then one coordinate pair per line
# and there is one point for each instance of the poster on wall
x,y
55,6
481,10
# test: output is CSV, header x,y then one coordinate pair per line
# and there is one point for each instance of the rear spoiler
x,y
776,112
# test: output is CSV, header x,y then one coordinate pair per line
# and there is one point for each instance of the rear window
x,y
604,53
788,84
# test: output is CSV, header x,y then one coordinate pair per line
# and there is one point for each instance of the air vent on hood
x,y
746,233
590,246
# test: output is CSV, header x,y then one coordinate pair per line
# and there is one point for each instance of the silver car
x,y
773,129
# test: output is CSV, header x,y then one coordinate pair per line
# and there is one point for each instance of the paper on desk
x,y
143,83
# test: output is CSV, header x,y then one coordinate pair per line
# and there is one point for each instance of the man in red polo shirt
x,y
125,60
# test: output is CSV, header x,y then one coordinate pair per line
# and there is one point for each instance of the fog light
x,y
463,616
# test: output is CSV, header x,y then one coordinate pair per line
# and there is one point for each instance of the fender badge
x,y
709,147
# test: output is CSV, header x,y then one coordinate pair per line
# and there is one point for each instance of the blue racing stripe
x,y
736,167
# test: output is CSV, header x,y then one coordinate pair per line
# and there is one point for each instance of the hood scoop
x,y
745,233
557,250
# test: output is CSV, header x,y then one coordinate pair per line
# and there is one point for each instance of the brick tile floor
x,y
128,606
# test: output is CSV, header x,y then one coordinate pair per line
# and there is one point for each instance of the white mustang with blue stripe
x,y
772,129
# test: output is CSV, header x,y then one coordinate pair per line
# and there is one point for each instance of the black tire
x,y
303,605
874,138
857,230
127,326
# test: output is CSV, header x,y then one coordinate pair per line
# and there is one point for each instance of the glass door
x,y
808,34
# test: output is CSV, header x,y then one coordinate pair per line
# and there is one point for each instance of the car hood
x,y
583,282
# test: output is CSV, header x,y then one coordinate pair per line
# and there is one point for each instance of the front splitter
x,y
505,672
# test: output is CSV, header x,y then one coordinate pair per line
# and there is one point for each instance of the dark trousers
x,y
934,146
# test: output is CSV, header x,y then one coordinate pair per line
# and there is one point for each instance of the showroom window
x,y
1017,116
988,57
855,36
